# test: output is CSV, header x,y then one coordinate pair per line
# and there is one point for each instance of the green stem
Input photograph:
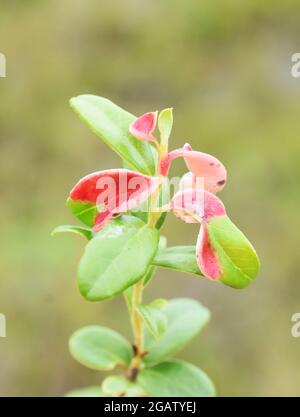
x,y
154,214
137,294
137,322
138,330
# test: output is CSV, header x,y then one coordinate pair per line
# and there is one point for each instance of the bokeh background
x,y
224,66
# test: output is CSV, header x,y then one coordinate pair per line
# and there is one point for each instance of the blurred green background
x,y
224,66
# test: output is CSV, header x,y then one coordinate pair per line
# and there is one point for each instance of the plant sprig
x,y
125,247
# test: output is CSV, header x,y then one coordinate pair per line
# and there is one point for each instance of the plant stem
x,y
154,214
138,330
137,294
137,322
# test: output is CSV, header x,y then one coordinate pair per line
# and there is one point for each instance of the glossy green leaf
x,y
179,258
153,316
85,212
87,392
83,231
151,270
100,348
128,296
165,123
111,123
176,379
148,276
238,260
117,257
119,386
142,215
186,318
161,220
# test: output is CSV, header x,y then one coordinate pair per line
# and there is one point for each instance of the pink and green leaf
x,y
102,195
223,253
237,259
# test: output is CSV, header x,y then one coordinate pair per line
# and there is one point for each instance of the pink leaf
x,y
190,181
205,255
143,127
196,205
202,165
102,219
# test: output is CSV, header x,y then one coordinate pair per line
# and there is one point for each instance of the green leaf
x,y
151,271
176,379
238,260
100,348
180,258
128,296
153,317
85,212
161,220
149,275
87,392
119,386
186,318
83,231
165,123
111,123
117,257
142,215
